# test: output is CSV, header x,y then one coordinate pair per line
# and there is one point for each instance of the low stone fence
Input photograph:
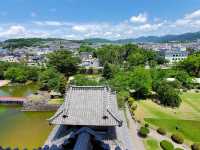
x,y
40,107
39,102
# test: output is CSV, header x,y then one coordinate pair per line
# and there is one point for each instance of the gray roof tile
x,y
88,105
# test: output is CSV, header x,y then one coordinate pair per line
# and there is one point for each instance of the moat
x,y
22,129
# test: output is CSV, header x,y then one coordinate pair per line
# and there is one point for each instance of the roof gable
x,y
88,105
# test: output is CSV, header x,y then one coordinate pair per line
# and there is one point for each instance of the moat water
x,y
22,129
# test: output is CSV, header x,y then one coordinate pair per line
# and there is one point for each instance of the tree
x,y
107,71
82,80
167,94
184,78
16,74
191,65
136,59
141,82
1,74
120,81
50,79
63,61
86,48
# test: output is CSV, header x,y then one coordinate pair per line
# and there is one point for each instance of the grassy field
x,y
185,119
151,144
57,101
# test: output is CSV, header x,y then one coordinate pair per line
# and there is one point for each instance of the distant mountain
x,y
169,38
155,39
97,40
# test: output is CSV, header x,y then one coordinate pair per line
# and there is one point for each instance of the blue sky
x,y
112,19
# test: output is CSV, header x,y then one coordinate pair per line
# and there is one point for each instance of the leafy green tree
x,y
86,48
107,71
1,74
32,73
82,80
120,81
63,61
167,94
141,82
184,78
16,74
50,79
136,59
191,65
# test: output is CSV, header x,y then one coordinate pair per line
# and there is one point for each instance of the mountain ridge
x,y
190,36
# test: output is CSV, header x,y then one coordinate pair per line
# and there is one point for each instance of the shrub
x,y
184,90
178,149
177,138
166,145
146,125
195,146
143,132
133,107
161,131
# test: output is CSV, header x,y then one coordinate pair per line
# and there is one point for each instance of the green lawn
x,y
57,101
186,117
151,144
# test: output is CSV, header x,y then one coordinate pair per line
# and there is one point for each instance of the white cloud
x,y
14,30
137,26
141,18
193,15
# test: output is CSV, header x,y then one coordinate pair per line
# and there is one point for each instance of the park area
x,y
184,120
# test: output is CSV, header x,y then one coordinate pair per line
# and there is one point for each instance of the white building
x,y
175,56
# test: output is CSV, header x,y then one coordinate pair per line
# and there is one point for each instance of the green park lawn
x,y
185,119
151,144
57,101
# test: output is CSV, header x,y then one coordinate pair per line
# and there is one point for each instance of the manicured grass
x,y
56,101
190,129
151,144
186,117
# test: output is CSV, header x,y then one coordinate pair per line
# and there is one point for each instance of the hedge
x,y
179,149
161,131
195,146
146,125
166,145
143,132
177,138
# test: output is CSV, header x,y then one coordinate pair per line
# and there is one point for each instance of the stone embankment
x,y
39,102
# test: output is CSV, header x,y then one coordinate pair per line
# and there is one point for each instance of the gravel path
x,y
133,128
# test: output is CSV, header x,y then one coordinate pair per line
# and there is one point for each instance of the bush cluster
x,y
146,125
195,146
179,149
161,131
177,138
166,145
143,132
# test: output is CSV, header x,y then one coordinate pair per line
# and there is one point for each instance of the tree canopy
x,y
63,61
191,65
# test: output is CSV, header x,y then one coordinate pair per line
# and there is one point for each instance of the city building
x,y
88,61
175,55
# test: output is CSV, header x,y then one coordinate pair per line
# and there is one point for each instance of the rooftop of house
x,y
88,106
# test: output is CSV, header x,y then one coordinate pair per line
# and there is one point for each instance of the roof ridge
x,y
75,86
67,102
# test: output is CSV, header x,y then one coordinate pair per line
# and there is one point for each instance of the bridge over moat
x,y
12,100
